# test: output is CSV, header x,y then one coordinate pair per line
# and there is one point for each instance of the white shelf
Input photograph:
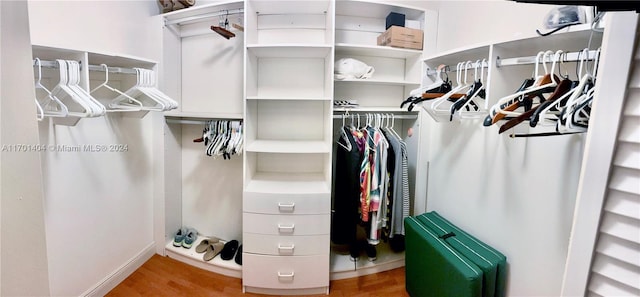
x,y
289,98
290,7
217,265
277,146
371,9
290,50
376,51
342,267
288,183
468,53
378,82
178,115
524,45
198,12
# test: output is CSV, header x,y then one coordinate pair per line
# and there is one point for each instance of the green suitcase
x,y
490,263
434,269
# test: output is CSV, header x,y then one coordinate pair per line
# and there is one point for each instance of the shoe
x,y
229,250
179,237
371,252
189,238
205,243
213,250
354,252
238,258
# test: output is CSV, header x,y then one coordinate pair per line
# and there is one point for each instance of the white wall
x,y
99,207
24,257
463,23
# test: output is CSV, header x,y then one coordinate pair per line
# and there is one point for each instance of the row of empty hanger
x,y
547,98
68,99
551,98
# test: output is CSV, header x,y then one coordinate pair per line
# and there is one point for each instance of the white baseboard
x,y
112,280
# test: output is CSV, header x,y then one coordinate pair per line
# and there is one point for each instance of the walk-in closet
x,y
290,145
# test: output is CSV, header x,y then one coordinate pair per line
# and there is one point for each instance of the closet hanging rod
x,y
54,64
395,116
566,57
432,72
113,69
204,16
197,121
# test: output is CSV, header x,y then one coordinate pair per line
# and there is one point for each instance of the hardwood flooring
x,y
163,276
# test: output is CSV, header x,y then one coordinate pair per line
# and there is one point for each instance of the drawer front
x,y
305,245
286,225
270,203
277,272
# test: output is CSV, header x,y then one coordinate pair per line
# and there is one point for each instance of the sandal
x,y
205,243
213,250
229,250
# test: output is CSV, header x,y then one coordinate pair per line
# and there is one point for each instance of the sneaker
x,y
190,238
371,252
179,236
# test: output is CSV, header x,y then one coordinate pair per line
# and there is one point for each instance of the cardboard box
x,y
395,19
402,37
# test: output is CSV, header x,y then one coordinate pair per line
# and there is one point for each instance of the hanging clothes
x,y
371,187
346,188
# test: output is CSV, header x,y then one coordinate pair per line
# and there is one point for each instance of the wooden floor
x,y
163,276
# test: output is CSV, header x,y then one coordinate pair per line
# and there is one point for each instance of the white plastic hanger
x,y
118,104
438,109
549,116
344,135
463,113
73,67
139,92
150,86
63,92
59,110
537,86
579,98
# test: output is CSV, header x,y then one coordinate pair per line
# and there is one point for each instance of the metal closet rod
x,y
432,72
54,64
565,57
395,115
204,16
197,121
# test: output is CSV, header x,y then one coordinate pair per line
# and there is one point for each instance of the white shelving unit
x,y
284,62
397,72
287,164
91,78
204,72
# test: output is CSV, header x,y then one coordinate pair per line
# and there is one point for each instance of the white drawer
x,y
286,224
305,245
278,272
271,203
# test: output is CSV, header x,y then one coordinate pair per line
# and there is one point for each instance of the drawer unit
x,y
286,224
277,272
270,203
305,245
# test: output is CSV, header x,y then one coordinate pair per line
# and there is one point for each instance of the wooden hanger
x,y
563,87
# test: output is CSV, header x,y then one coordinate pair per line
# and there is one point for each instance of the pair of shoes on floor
x,y
232,249
370,250
185,237
211,247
